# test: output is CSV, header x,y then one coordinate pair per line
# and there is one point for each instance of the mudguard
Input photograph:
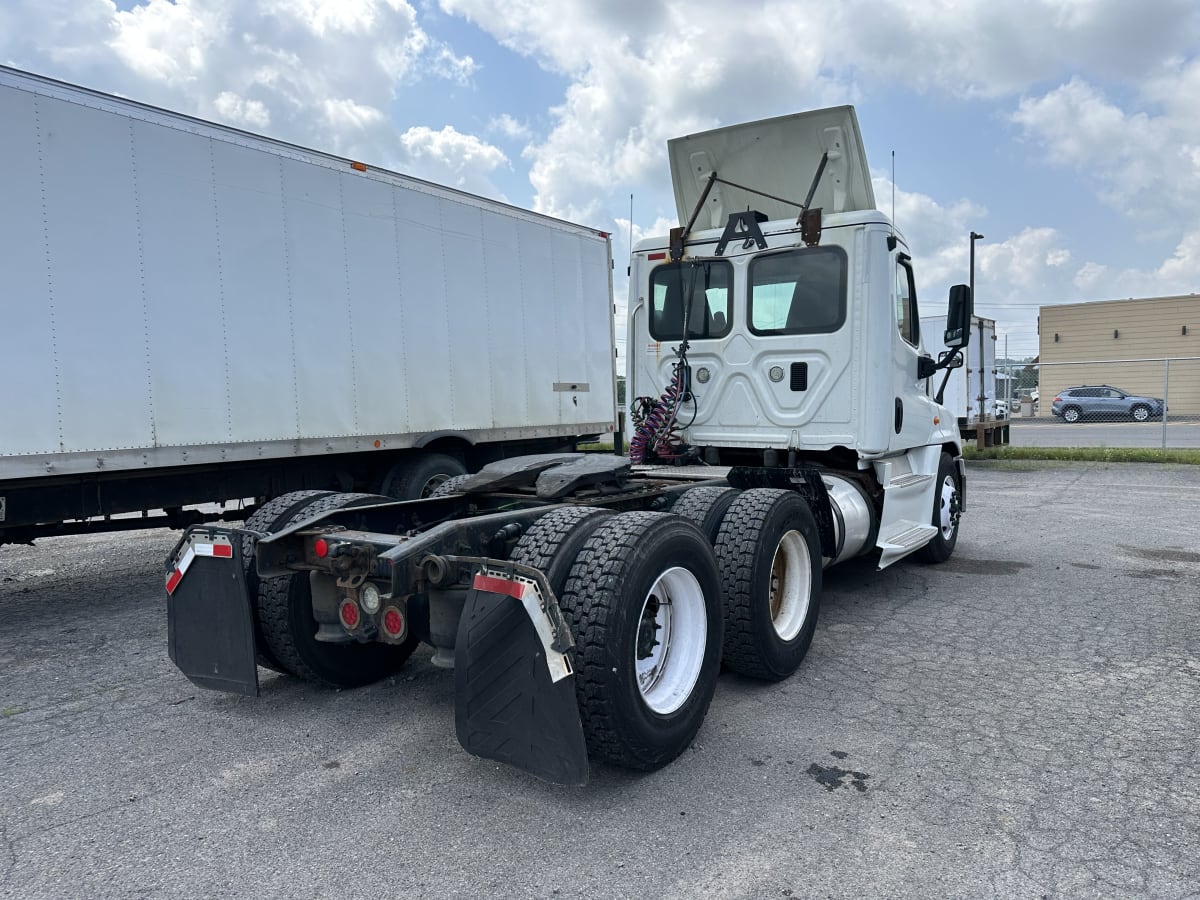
x,y
514,693
210,627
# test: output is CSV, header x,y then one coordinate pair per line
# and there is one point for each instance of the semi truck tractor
x,y
784,419
193,315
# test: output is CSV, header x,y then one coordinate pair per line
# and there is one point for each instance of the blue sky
x,y
1066,131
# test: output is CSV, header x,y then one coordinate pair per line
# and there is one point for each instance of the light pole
x,y
975,236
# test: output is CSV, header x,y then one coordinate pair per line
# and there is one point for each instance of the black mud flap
x,y
508,707
210,628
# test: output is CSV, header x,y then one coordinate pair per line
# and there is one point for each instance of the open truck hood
x,y
776,156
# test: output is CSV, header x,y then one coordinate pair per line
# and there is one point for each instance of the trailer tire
x,y
418,477
945,510
641,713
268,517
553,541
284,607
769,553
706,506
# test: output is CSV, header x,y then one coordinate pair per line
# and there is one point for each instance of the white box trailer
x,y
193,313
971,391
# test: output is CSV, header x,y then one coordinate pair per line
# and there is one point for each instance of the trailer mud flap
x,y
210,628
514,694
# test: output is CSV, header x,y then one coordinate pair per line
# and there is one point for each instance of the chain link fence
x,y
1119,403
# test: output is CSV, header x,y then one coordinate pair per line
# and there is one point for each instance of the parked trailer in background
x,y
192,313
783,422
971,392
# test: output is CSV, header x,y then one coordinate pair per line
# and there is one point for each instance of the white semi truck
x,y
193,314
785,419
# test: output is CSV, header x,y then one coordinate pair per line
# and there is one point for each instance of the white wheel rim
x,y
672,635
945,507
791,585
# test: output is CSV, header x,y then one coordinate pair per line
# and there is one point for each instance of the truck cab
x,y
780,326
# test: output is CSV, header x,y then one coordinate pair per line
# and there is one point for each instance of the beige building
x,y
1148,346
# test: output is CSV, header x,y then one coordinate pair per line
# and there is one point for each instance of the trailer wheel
x,y
553,541
706,506
289,628
769,553
418,477
644,603
945,513
268,517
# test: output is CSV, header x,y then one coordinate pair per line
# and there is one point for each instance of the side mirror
x,y
950,359
958,317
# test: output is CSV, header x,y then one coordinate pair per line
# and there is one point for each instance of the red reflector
x,y
499,586
654,256
224,550
348,612
393,622
321,548
173,581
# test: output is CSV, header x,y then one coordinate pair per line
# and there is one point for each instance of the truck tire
x,y
945,508
268,517
706,506
418,477
284,607
553,541
643,600
449,486
769,553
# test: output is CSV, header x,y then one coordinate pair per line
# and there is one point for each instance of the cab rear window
x,y
702,289
798,292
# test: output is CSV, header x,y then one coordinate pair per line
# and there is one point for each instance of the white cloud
x,y
235,110
315,72
510,127
450,157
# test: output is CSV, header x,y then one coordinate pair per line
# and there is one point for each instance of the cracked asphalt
x,y
1018,722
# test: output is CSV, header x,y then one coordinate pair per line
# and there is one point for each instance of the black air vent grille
x,y
799,376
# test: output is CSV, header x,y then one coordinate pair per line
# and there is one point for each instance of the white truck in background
x,y
195,314
973,392
785,418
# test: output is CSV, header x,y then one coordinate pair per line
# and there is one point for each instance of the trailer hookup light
x,y
348,613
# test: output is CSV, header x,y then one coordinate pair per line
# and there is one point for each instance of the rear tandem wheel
x,y
643,600
769,552
284,610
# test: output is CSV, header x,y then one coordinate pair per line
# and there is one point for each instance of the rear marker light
x,y
348,613
393,622
321,548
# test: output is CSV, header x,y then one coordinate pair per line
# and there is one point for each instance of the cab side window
x,y
907,316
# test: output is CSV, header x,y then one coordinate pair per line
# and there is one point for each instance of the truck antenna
x,y
893,193
631,224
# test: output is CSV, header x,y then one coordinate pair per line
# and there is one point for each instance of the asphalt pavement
x,y
1017,722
